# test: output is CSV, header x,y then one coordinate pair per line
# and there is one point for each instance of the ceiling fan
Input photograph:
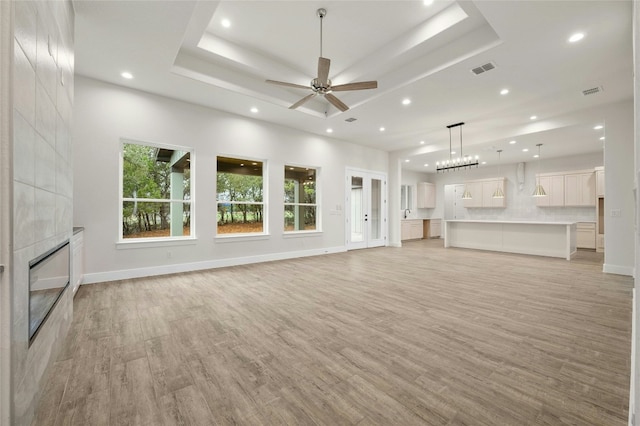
x,y
321,85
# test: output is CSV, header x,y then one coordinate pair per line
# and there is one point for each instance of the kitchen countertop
x,y
519,222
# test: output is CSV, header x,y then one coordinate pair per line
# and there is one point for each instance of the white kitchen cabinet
x,y
77,260
475,188
554,187
488,189
586,235
580,189
599,181
426,195
411,229
482,193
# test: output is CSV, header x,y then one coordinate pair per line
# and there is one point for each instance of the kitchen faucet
x,y
405,212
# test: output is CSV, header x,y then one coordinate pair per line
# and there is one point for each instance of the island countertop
x,y
555,239
522,222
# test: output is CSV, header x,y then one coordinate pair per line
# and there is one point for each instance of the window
x,y
406,197
240,196
156,191
300,199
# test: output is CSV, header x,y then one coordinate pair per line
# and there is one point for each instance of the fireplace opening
x,y
48,278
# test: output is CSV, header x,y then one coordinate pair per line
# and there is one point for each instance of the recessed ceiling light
x,y
382,129
254,110
533,117
226,23
512,142
241,164
576,37
536,156
329,130
127,75
453,152
428,2
504,91
602,138
254,164
426,165
406,101
290,168
525,150
484,162
421,142
598,127
407,160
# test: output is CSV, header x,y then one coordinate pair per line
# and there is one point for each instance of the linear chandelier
x,y
462,162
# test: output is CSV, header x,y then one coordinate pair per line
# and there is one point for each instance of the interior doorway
x,y
366,209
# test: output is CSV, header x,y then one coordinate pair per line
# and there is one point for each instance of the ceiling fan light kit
x,y
321,85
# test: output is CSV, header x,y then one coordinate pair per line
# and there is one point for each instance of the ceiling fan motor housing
x,y
318,87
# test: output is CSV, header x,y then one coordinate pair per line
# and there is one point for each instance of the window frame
x,y
317,204
265,197
153,241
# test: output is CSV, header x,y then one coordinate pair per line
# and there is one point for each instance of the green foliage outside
x,y
239,188
306,213
145,178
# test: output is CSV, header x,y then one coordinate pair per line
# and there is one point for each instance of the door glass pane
x,y
376,209
357,218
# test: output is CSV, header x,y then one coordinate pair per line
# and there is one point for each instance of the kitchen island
x,y
555,239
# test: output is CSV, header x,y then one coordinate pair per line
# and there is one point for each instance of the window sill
x,y
140,243
301,234
230,238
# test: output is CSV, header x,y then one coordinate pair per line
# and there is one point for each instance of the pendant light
x,y
539,191
499,193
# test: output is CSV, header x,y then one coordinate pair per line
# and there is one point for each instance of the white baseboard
x,y
632,386
619,270
99,277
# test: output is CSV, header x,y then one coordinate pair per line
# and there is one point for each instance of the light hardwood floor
x,y
387,336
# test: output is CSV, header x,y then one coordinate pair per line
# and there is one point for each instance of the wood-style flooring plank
x,y
418,335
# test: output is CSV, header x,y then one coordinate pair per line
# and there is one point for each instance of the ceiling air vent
x,y
483,68
350,119
592,91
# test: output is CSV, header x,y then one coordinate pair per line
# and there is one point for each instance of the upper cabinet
x,y
580,189
554,187
599,182
570,189
482,191
426,195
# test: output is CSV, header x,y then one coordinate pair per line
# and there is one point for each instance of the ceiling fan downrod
x,y
321,14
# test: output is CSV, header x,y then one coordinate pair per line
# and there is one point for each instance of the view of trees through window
x,y
156,192
240,196
300,199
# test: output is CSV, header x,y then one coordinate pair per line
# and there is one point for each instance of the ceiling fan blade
x,y
360,85
282,83
303,100
323,70
336,102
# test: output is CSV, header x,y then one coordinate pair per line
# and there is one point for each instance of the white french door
x,y
366,209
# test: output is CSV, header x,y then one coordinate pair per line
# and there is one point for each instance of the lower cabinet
x,y
586,235
411,229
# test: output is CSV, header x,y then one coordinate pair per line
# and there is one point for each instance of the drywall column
x,y
395,181
6,206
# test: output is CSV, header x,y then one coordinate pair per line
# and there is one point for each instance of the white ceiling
x,y
425,53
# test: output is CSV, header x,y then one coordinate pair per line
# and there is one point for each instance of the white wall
x,y
619,240
105,113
